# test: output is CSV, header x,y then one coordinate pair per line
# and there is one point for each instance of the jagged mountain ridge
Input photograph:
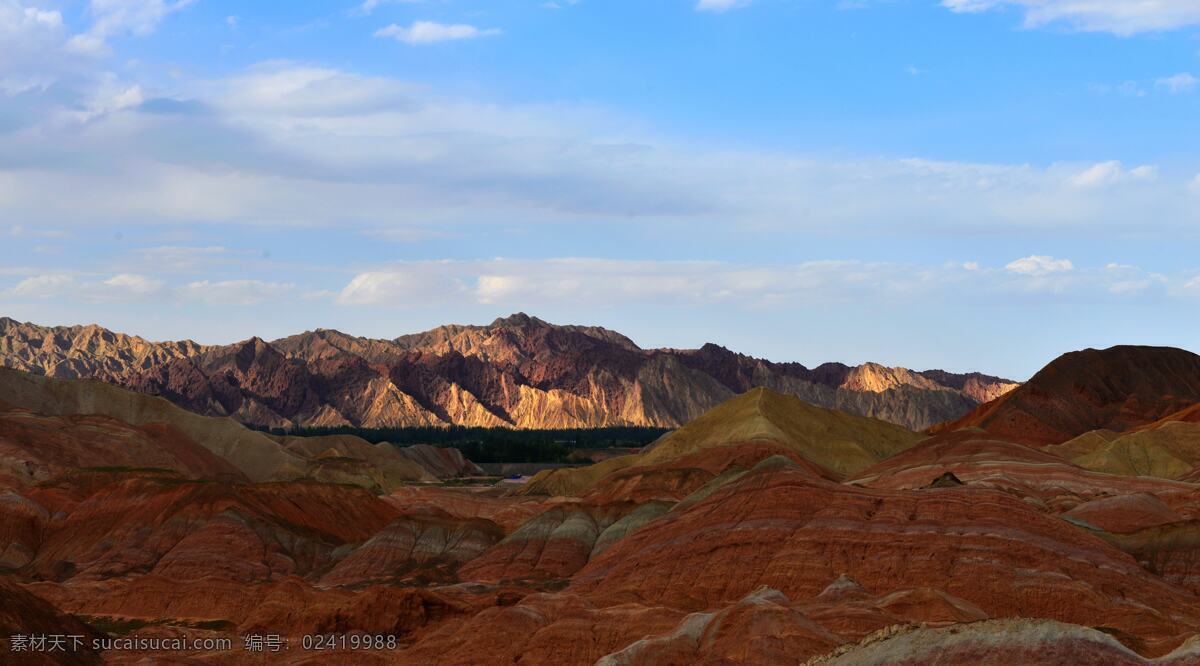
x,y
517,371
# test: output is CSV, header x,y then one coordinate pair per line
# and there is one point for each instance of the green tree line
x,y
496,445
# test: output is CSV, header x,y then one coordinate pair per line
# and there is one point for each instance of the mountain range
x,y
518,372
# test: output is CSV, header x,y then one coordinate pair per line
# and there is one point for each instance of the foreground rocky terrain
x,y
1059,524
517,372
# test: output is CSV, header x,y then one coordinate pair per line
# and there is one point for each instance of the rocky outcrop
x,y
72,352
516,372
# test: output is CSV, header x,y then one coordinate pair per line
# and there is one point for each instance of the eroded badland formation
x,y
1055,522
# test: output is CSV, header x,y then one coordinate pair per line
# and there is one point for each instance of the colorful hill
x,y
835,443
1116,389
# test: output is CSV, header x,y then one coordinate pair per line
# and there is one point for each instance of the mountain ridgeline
x,y
517,372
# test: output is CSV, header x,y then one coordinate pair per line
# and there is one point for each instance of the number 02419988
x,y
348,642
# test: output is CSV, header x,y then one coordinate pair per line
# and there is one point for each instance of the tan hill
x,y
515,372
835,442
55,425
1117,389
252,453
1170,450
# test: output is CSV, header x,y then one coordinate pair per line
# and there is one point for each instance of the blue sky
x,y
966,184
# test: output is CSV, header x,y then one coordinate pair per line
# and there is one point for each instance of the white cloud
x,y
614,283
30,38
282,90
19,231
141,288
369,6
304,146
1145,172
718,6
425,283
429,32
1126,279
125,287
1039,265
1179,83
619,284
113,18
608,282
1098,175
134,286
234,292
1106,174
1122,17
42,286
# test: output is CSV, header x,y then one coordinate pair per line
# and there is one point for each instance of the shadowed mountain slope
x,y
52,425
1116,389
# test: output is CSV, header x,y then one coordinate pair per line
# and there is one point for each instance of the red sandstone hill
x,y
1117,389
766,531
516,372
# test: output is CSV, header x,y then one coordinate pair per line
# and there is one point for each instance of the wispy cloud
x,y
141,288
1106,174
124,287
1039,265
679,284
430,32
369,6
234,292
1179,83
113,18
718,6
297,145
1122,17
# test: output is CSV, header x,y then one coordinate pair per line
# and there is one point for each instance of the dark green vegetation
x,y
497,445
117,626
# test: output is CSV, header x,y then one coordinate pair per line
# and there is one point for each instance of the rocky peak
x,y
517,320
251,351
876,378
